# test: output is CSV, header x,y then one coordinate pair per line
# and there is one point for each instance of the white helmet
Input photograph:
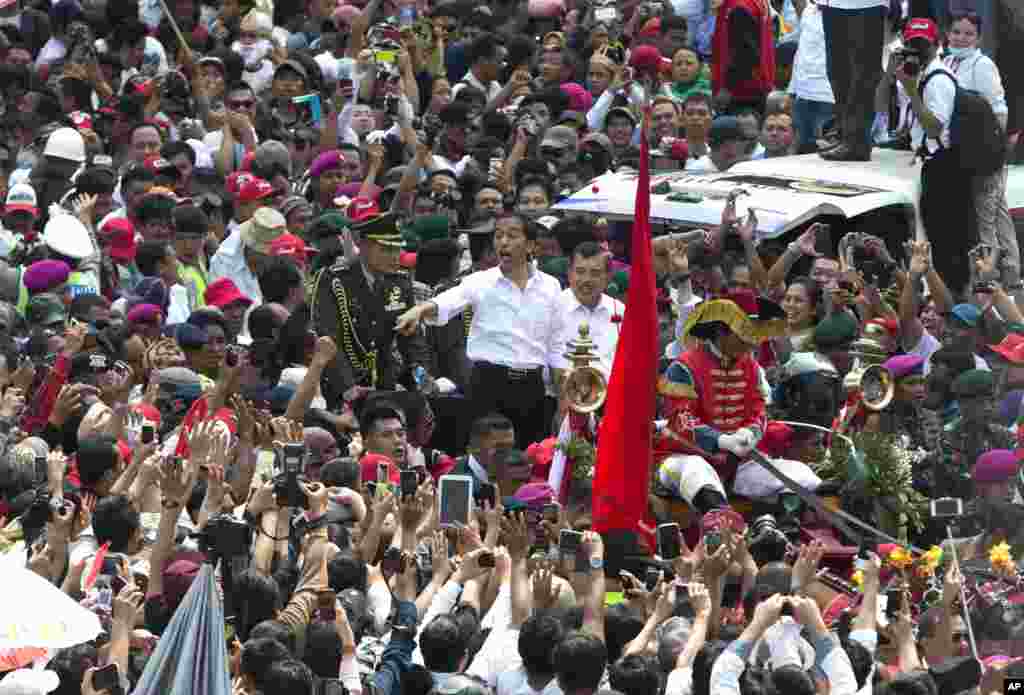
x,y
66,143
65,234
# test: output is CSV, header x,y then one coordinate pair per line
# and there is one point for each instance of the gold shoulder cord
x,y
350,342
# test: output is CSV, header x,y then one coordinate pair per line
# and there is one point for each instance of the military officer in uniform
x,y
356,302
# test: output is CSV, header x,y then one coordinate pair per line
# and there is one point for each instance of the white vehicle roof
x,y
785,192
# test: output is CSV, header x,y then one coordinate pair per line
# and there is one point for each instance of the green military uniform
x,y
359,311
963,440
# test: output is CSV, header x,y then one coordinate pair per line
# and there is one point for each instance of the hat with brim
x,y
382,229
262,228
752,319
620,111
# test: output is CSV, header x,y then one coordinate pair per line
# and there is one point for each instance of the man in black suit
x,y
491,439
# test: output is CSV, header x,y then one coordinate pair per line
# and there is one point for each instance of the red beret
x,y
995,466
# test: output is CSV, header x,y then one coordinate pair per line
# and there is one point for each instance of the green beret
x,y
837,330
1013,327
618,288
329,224
974,383
430,227
555,265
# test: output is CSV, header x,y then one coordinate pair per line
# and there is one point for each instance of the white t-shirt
x,y
514,682
939,97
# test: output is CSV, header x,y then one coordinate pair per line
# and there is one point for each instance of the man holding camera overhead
x,y
946,205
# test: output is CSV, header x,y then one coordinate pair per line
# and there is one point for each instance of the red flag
x,y
624,443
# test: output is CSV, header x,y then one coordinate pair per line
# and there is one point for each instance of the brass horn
x,y
874,382
585,387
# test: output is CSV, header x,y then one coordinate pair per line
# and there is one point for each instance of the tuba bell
x,y
872,380
584,387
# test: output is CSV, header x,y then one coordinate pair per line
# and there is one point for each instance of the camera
x,y
947,508
767,542
909,61
225,536
287,490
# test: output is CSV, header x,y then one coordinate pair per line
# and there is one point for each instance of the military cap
x,y
995,466
836,331
973,383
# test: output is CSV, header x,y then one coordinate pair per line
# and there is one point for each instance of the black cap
x,y
723,129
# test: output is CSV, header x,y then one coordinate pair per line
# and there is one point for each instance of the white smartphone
x,y
456,502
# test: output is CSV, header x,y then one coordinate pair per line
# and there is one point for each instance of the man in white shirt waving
x,y
512,334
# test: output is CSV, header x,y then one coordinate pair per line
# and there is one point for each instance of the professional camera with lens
x,y
767,543
910,61
225,536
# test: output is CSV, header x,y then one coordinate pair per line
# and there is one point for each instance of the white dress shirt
x,y
810,75
511,326
604,329
492,90
229,262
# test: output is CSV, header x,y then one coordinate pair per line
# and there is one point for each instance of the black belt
x,y
512,373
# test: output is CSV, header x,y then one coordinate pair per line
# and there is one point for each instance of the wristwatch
x,y
596,563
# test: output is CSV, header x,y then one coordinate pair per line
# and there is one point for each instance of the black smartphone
x,y
823,239
106,678
325,606
669,547
409,483
229,630
393,562
148,434
488,494
651,579
40,470
486,560
894,602
382,473
570,544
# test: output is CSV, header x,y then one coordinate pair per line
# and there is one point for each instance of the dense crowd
x,y
305,375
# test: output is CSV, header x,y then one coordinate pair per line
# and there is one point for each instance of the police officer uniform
x,y
359,309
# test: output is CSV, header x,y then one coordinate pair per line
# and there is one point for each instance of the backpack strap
x,y
922,151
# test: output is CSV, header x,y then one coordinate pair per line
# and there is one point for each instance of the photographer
x,y
947,208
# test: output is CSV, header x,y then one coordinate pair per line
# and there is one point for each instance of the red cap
x,y
368,468
254,189
1012,348
81,120
362,208
233,182
223,292
407,259
777,440
148,411
119,234
921,28
156,163
291,246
